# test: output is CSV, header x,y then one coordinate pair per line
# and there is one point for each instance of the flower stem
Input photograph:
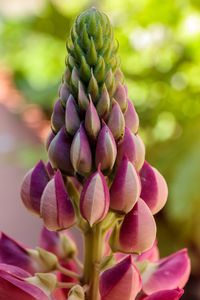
x,y
78,262
65,285
93,256
67,272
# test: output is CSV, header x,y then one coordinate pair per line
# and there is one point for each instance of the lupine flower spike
x,y
96,178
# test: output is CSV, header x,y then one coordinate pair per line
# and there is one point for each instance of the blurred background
x,y
160,57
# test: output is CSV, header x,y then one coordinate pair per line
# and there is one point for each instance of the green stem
x,y
67,272
93,256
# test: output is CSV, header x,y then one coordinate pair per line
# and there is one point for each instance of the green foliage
x,y
159,50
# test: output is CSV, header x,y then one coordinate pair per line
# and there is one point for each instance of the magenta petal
x,y
15,270
95,198
120,282
106,150
131,118
168,273
49,240
126,187
66,214
14,287
80,152
164,295
138,230
13,253
154,188
56,208
59,152
32,187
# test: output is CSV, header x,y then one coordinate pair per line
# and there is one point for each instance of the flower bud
x,y
83,100
167,273
80,153
45,261
59,243
58,117
103,104
106,150
137,232
93,89
92,122
121,281
72,120
45,281
56,208
110,83
131,118
64,93
59,152
120,96
164,295
116,121
133,147
76,293
95,198
126,187
49,139
154,188
119,77
33,186
75,79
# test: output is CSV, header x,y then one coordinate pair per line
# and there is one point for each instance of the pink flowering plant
x,y
96,179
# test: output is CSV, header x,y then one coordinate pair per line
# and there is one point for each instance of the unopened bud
x,y
120,96
72,120
154,188
122,279
83,100
56,208
137,232
33,186
58,116
116,121
131,118
59,152
92,122
94,201
106,150
76,293
45,281
103,104
133,147
80,152
126,187
64,93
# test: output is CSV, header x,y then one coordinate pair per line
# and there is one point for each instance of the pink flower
x,y
167,273
13,285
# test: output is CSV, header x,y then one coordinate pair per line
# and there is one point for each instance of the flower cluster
x,y
97,179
